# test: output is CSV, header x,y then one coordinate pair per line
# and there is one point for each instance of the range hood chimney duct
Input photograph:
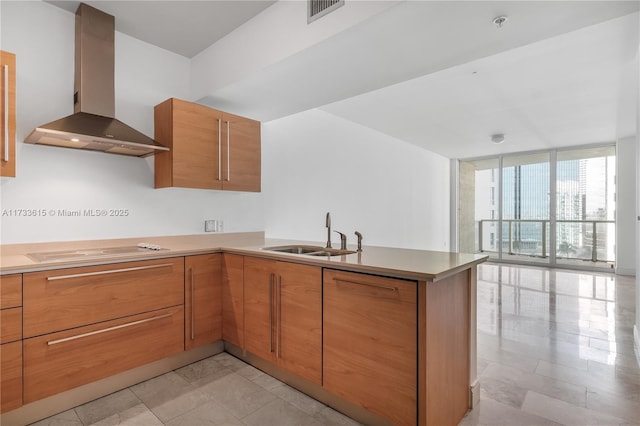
x,y
93,125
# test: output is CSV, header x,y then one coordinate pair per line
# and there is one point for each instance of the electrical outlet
x,y
210,226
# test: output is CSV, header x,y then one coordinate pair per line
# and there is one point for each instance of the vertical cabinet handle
x,y
228,152
5,118
193,305
278,312
271,313
219,149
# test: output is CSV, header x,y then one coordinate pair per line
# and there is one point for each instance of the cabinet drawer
x,y
10,291
10,376
68,298
10,325
61,361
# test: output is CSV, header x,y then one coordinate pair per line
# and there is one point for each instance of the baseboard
x,y
474,394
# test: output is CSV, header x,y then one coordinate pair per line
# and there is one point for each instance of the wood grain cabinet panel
x,y
283,315
209,149
57,362
7,114
233,299
10,325
241,159
193,133
10,291
10,342
370,343
11,376
203,300
66,298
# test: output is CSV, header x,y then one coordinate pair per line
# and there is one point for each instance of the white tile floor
x,y
554,347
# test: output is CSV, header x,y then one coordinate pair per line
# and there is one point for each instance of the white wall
x,y
625,206
637,326
394,193
51,179
278,32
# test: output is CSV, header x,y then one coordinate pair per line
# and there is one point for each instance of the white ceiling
x,y
437,74
183,27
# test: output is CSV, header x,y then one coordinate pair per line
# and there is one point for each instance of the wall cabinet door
x,y
233,299
370,343
203,299
8,114
193,134
241,157
283,315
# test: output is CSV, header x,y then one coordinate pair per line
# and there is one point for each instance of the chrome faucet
x,y
359,235
328,225
343,240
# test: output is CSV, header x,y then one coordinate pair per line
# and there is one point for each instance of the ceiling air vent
x,y
318,8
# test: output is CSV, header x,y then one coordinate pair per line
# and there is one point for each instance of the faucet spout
x,y
328,225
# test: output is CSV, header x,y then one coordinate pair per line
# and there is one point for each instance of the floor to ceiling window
x,y
554,208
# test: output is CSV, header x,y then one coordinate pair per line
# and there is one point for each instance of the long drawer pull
x,y
384,287
112,271
104,330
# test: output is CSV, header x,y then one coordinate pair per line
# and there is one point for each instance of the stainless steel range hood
x,y
93,126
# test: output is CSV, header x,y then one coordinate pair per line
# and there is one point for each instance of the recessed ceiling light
x,y
75,140
499,21
497,138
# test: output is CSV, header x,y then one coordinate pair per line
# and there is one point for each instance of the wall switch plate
x,y
212,226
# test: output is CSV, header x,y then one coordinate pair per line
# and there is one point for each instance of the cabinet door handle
x,y
193,306
271,313
228,152
105,330
278,313
5,118
219,149
383,287
112,271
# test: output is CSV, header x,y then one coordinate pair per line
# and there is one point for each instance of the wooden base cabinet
x,y
370,343
7,114
283,315
203,300
66,298
60,361
10,342
233,299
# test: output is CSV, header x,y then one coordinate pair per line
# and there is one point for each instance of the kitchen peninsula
x,y
384,335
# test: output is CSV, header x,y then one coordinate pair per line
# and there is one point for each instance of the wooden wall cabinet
x,y
233,299
283,315
8,114
370,343
10,342
209,149
203,300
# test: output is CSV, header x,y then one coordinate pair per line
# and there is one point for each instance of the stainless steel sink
x,y
309,250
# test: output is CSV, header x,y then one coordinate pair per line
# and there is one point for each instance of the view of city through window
x,y
581,199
